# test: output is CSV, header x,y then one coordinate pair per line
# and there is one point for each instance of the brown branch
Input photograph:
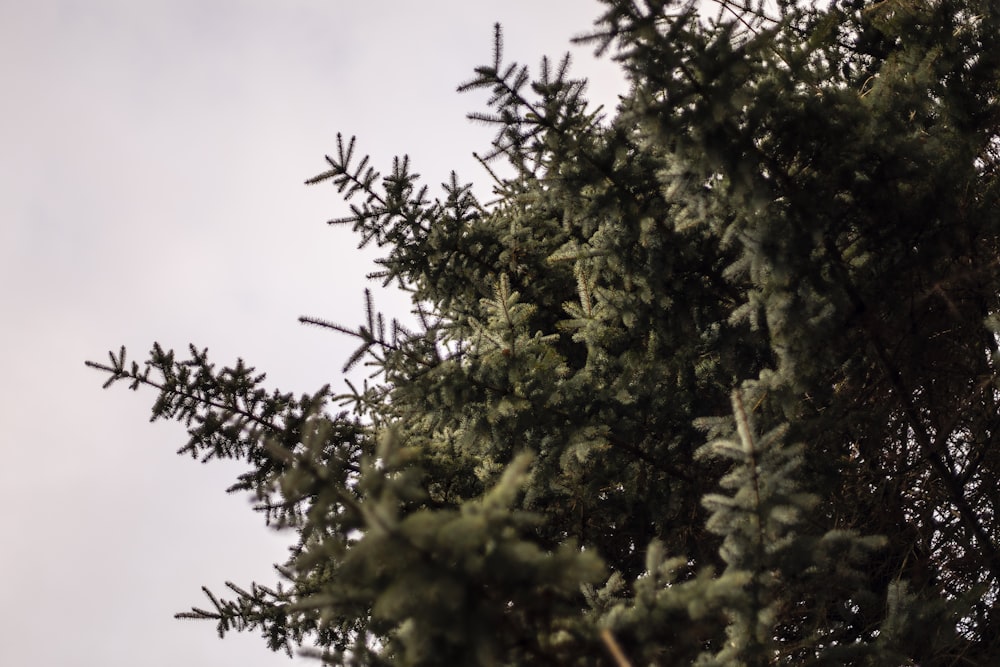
x,y
930,448
614,649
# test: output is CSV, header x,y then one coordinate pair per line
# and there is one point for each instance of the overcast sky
x,y
152,159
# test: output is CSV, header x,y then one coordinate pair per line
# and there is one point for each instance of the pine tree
x,y
713,380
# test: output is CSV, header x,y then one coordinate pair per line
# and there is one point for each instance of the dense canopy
x,y
711,380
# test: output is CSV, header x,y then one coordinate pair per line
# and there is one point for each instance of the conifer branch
x,y
747,438
117,372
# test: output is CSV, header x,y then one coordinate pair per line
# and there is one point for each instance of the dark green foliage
x,y
713,381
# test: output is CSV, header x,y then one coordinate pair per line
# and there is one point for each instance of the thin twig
x,y
614,648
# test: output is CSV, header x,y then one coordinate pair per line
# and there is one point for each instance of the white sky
x,y
152,154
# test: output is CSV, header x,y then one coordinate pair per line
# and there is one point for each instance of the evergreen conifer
x,y
714,379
